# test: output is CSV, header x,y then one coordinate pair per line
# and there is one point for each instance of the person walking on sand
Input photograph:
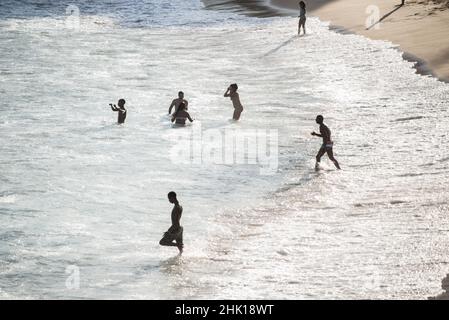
x,y
302,17
176,102
121,110
235,98
327,145
175,232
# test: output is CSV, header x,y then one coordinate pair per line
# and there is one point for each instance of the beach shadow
x,y
399,6
285,43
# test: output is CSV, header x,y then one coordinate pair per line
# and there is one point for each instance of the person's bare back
x,y
176,214
235,98
325,133
181,115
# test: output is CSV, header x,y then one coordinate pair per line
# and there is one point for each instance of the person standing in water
x,y
176,102
302,17
121,110
175,232
232,93
181,115
327,145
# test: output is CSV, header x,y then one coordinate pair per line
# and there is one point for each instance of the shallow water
x,y
78,190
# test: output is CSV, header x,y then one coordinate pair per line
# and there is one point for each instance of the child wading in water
x,y
302,17
232,93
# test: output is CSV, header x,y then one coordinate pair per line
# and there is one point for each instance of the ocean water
x,y
83,200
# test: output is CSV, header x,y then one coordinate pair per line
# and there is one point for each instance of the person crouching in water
x,y
302,17
120,109
232,93
180,116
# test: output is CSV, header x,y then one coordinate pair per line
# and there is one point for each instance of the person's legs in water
x,y
330,154
319,155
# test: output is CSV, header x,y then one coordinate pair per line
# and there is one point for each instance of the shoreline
x,y
420,30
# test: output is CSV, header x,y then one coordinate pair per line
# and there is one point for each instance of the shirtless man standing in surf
x,y
175,232
328,144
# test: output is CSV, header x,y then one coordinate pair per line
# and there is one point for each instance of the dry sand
x,y
420,28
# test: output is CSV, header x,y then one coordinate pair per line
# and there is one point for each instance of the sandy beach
x,y
419,28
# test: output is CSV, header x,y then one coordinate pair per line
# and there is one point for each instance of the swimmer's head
x,y
181,95
234,87
121,102
302,4
172,197
319,119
